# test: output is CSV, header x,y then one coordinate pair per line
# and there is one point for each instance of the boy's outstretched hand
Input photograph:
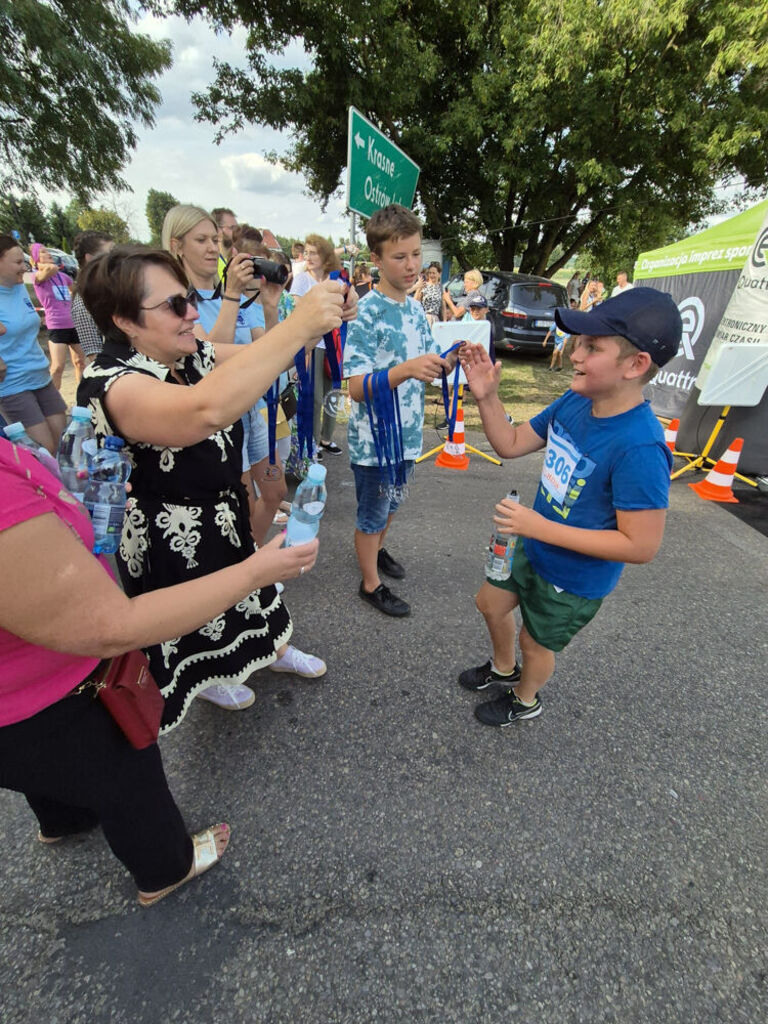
x,y
483,375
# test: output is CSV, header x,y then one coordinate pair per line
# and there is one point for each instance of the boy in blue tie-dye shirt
x,y
391,333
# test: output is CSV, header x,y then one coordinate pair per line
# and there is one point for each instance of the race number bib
x,y
61,292
560,460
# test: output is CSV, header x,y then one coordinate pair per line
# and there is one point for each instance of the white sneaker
x,y
231,698
300,664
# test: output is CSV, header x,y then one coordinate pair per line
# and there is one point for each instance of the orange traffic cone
x,y
454,453
716,486
670,434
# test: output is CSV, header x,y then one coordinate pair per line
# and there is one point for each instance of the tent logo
x,y
692,313
759,251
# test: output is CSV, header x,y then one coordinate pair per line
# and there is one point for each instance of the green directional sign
x,y
378,171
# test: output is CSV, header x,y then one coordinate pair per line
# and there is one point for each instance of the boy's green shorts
x,y
552,618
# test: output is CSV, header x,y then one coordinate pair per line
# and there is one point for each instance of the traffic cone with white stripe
x,y
716,486
670,434
454,453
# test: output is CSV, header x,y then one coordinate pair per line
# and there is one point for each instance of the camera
x,y
274,273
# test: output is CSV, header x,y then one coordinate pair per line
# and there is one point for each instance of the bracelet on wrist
x,y
232,298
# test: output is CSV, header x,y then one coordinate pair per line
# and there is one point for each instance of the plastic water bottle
x,y
16,433
498,562
73,459
105,494
307,508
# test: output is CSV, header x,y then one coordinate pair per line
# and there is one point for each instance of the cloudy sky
x,y
179,155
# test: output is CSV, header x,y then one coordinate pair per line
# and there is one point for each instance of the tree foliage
x,y
104,220
158,204
63,226
24,215
75,80
541,126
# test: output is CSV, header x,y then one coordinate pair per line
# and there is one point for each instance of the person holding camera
x,y
269,480
177,399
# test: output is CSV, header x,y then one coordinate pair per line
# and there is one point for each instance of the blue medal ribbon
x,y
272,397
305,403
451,404
333,357
383,406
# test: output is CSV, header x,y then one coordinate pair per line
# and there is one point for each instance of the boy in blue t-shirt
x,y
601,500
391,333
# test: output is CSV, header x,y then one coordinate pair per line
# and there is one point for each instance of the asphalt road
x,y
392,860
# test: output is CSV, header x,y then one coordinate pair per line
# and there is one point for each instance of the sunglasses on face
x,y
177,304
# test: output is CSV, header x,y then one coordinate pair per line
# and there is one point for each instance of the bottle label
x,y
313,508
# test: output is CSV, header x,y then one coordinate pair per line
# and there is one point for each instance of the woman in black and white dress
x,y
177,402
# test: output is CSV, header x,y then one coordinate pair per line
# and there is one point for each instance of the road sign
x,y
378,171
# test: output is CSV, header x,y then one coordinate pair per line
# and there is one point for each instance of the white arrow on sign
x,y
359,140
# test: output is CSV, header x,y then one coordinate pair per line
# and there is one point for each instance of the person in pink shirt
x,y
54,292
59,746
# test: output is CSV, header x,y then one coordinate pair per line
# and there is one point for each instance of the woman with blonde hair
x,y
321,259
591,296
473,279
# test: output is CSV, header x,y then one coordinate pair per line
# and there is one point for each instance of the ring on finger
x,y
301,570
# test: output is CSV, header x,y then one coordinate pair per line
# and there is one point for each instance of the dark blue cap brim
x,y
575,321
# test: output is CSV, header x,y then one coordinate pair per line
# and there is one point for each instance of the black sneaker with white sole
x,y
506,709
480,678
331,447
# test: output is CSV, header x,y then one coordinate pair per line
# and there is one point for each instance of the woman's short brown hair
x,y
325,251
113,285
8,242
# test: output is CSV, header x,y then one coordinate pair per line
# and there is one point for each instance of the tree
x,y
104,220
158,204
24,215
63,225
537,124
74,82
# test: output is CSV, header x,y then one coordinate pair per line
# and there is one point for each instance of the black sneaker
x,y
389,566
383,599
483,676
331,447
506,709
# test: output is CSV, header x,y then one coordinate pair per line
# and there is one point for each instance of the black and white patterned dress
x,y
188,516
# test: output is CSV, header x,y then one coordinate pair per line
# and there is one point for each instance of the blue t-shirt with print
x,y
385,334
209,308
592,467
19,347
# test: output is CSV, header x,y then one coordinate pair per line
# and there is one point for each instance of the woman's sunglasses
x,y
177,304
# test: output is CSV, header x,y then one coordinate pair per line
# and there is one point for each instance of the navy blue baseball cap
x,y
477,300
647,317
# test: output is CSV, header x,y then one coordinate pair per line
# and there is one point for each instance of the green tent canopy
x,y
722,247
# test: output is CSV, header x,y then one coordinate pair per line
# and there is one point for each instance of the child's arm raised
x,y
509,441
636,539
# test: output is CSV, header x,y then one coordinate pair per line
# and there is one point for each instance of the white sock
x,y
499,673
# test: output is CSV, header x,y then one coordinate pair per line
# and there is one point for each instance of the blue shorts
x,y
374,508
255,438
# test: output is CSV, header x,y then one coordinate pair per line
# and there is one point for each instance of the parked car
x,y
521,308
65,260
